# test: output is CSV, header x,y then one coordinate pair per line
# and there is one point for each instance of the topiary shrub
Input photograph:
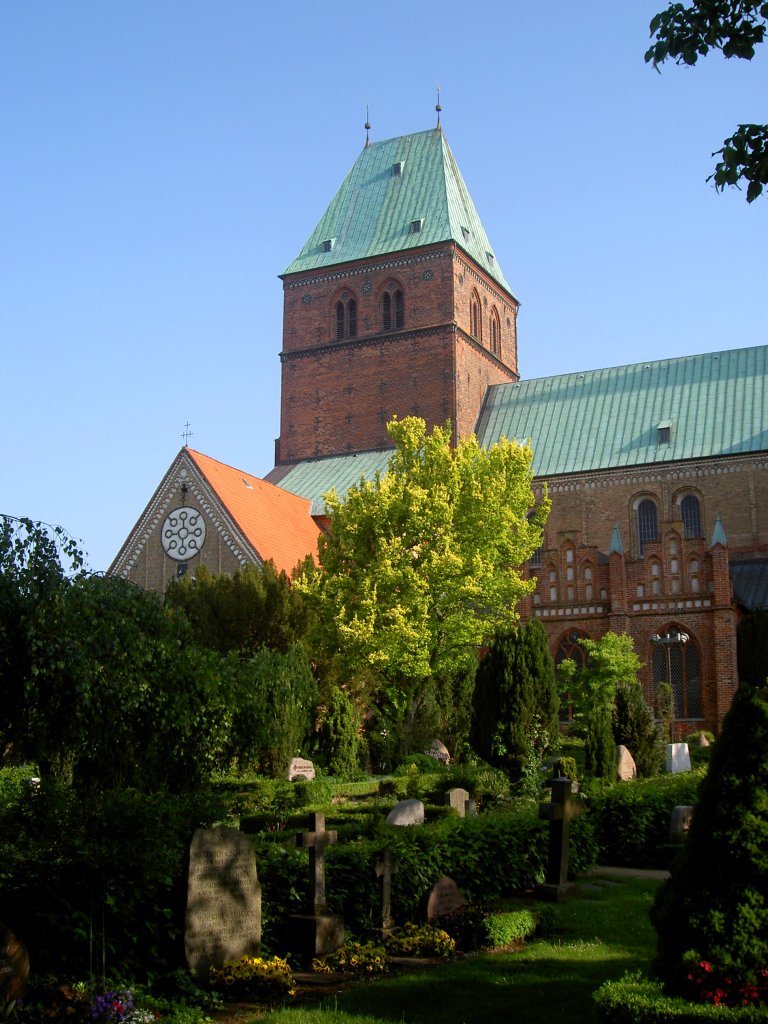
x,y
714,907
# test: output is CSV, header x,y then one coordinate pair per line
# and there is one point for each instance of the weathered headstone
x,y
407,812
300,768
444,898
438,750
680,822
559,813
470,808
223,919
678,757
626,768
14,968
385,869
457,798
318,932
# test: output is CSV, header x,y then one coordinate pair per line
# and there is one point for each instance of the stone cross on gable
x,y
316,841
562,809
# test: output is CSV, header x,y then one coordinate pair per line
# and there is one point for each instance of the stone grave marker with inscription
x,y
14,969
223,919
444,898
439,752
300,768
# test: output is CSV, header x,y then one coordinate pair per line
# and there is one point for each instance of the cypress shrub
x,y
714,908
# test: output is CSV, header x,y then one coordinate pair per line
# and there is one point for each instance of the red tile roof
x,y
275,522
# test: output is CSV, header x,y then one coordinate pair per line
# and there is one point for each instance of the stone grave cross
x,y
559,812
316,841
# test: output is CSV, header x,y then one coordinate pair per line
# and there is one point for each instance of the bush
x,y
512,926
631,821
637,1000
353,958
714,907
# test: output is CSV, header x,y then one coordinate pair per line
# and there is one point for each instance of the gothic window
x,y
690,513
569,648
346,317
655,577
393,310
588,577
647,523
679,665
495,325
475,323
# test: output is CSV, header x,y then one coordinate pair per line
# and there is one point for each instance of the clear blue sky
x,y
162,162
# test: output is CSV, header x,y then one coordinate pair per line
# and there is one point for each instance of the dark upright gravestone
x,y
445,898
385,869
559,813
318,932
223,920
14,968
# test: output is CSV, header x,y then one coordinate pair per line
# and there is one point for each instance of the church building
x,y
397,305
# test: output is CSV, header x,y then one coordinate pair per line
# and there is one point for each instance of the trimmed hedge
x,y
514,925
637,1000
631,819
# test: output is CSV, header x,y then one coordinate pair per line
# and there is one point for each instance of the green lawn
x,y
596,937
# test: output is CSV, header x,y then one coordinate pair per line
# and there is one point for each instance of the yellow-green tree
x,y
421,565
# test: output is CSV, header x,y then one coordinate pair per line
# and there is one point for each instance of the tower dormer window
x,y
417,225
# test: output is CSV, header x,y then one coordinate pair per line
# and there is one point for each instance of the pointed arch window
x,y
495,325
690,513
647,523
475,322
346,318
679,664
393,310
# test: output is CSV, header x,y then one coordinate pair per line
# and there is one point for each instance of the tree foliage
x,y
714,907
514,721
735,27
635,728
611,661
253,608
421,564
752,647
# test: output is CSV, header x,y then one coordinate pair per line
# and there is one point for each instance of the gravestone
x,y
317,932
559,813
438,750
385,869
300,768
458,799
444,898
14,968
223,919
626,768
680,822
470,807
678,757
407,812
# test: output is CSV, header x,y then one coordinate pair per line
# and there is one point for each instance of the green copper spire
x,y
401,194
718,535
616,548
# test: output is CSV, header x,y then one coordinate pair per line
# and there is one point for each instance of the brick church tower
x,y
395,305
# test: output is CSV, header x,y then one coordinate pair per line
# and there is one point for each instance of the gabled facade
x,y
207,513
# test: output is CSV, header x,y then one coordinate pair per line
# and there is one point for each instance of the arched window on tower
x,y
475,323
393,309
690,513
647,523
679,664
346,317
495,325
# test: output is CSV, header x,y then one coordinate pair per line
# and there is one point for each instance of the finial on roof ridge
x,y
438,108
367,127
